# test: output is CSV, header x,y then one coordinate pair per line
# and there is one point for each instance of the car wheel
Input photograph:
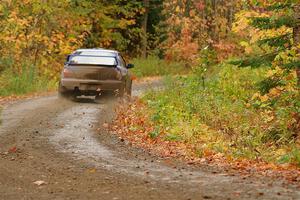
x,y
65,94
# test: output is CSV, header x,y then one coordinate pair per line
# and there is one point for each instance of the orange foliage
x,y
191,26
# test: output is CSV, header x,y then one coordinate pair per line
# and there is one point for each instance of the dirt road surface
x,y
56,142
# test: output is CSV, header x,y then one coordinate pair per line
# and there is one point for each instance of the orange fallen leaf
x,y
13,150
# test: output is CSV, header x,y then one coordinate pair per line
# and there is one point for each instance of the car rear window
x,y
93,60
96,53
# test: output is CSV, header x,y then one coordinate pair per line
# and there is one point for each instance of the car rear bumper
x,y
90,85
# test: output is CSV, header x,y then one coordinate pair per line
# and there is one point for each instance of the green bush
x,y
220,115
153,66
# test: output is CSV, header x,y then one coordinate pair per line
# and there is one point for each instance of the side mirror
x,y
129,66
67,59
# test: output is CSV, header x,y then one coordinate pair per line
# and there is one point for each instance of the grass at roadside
x,y
26,82
218,119
153,66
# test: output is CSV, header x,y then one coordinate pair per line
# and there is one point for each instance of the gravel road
x,y
61,145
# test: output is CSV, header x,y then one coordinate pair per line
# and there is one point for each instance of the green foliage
x,y
255,61
282,41
292,65
274,32
153,66
280,5
156,29
155,133
113,24
267,84
222,116
292,157
274,22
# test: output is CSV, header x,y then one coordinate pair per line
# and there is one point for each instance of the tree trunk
x,y
144,29
230,13
214,16
296,34
209,21
187,8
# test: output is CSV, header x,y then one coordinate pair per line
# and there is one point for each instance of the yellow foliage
x,y
264,98
277,71
255,96
275,92
258,34
243,19
28,37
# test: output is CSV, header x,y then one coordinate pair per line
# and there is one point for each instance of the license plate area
x,y
93,87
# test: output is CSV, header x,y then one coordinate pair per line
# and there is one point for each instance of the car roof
x,y
97,51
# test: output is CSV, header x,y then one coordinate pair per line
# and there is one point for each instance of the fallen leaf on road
x,y
12,150
237,194
105,125
39,183
92,171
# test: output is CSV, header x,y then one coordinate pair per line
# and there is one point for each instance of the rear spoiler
x,y
100,65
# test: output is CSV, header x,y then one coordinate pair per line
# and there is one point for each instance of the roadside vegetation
x,y
224,116
153,66
29,81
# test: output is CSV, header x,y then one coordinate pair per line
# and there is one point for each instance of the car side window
x,y
122,61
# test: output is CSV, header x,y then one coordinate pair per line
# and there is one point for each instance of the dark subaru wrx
x,y
91,71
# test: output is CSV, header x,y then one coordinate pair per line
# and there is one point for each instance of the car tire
x,y
65,94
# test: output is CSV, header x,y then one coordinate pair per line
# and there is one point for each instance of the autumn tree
x,y
296,36
144,28
39,33
43,33
271,32
193,25
273,29
113,24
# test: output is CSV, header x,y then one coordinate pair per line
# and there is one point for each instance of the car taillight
x,y
67,73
